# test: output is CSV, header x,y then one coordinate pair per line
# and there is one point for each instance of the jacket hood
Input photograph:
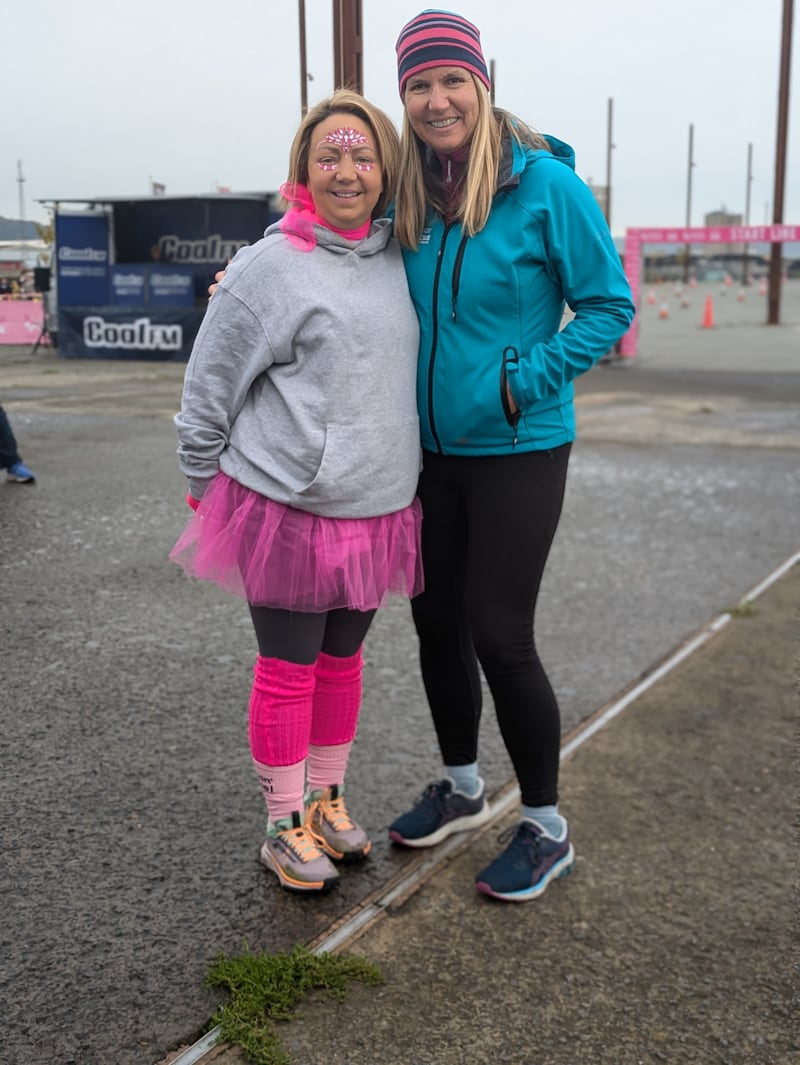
x,y
517,156
379,235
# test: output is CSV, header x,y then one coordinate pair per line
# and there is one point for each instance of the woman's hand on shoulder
x,y
218,276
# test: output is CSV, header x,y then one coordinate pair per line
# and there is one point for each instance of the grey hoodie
x,y
301,382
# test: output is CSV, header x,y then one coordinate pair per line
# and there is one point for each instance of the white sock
x,y
548,818
465,778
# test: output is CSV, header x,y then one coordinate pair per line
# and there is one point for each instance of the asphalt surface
x,y
130,841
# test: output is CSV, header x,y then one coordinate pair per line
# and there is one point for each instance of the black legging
x,y
487,527
9,455
298,637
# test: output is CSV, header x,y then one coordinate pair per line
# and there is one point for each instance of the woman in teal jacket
x,y
500,237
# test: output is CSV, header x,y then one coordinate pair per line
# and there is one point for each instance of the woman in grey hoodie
x,y
299,435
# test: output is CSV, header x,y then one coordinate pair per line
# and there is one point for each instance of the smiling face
x,y
442,107
345,176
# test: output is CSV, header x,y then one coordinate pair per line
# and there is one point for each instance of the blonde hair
x,y
418,190
387,142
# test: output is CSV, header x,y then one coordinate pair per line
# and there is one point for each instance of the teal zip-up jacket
x,y
490,307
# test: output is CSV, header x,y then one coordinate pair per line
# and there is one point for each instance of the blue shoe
x,y
527,865
438,813
20,473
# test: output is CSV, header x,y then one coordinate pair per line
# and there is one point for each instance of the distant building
x,y
600,193
18,258
725,218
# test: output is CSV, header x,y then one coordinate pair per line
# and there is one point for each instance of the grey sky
x,y
101,95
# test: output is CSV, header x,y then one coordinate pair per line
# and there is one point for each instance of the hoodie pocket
x,y
366,471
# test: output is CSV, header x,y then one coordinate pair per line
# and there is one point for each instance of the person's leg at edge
x,y
518,500
281,705
449,666
10,459
334,721
8,444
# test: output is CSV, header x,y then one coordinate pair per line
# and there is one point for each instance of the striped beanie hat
x,y
439,39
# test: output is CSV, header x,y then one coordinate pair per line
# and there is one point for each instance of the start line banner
x,y
635,239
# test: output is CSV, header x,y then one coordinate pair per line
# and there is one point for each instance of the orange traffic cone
x,y
708,314
664,311
651,299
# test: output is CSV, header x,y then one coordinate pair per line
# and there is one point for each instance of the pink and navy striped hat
x,y
439,39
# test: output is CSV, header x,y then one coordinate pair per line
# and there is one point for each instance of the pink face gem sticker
x,y
346,139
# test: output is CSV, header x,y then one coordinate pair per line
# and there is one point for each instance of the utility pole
x,y
301,13
21,183
609,148
776,260
689,203
348,70
745,277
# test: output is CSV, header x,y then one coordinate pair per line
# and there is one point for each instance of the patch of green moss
x,y
265,988
743,610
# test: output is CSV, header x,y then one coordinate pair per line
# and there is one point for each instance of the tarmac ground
x,y
130,855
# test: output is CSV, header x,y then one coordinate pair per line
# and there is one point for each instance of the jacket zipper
x,y
435,336
462,247
510,355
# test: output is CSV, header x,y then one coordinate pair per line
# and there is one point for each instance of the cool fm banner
x,y
83,260
114,333
135,285
200,235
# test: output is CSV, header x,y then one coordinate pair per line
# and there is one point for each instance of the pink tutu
x,y
274,555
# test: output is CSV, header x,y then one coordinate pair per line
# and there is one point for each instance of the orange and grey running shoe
x,y
332,827
293,855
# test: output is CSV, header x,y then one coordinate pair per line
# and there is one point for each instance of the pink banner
x,y
20,321
716,235
636,238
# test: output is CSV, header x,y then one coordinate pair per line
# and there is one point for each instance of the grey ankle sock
x,y
465,778
549,818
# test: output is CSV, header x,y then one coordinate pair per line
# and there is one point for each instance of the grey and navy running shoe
x,y
438,813
530,861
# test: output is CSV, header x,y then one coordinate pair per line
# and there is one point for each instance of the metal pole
x,y
745,277
21,183
348,45
609,149
491,81
776,259
689,203
301,12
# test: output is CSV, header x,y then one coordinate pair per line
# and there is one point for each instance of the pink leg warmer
x,y
336,706
280,711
